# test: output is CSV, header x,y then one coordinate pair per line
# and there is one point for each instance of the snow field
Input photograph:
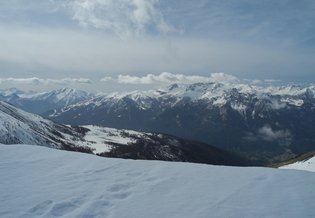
x,y
41,182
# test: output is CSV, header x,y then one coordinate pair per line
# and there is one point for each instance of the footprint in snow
x,y
119,191
121,196
118,187
63,208
134,174
97,208
102,170
40,208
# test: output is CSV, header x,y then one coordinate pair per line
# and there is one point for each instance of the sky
x,y
113,45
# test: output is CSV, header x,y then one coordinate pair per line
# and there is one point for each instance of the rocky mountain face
x,y
20,127
266,123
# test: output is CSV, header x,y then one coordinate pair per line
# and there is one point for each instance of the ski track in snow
x,y
42,182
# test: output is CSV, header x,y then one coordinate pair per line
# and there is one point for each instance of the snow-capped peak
x,y
64,94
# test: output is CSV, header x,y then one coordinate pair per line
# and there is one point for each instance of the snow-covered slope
x,y
41,182
307,165
20,127
102,139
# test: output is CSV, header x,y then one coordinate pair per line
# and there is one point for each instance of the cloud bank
x,y
168,78
60,50
39,81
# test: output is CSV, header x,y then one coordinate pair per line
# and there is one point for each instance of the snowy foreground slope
x,y
41,182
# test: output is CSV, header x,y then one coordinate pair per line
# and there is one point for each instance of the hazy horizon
x,y
127,83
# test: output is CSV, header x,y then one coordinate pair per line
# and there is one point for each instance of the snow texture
x,y
41,182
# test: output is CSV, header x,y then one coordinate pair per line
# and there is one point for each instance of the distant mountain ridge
x,y
263,122
43,102
20,127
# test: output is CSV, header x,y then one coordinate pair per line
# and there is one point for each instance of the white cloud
x,y
255,82
168,78
38,81
106,79
32,80
275,104
163,78
272,80
69,81
268,134
223,77
123,17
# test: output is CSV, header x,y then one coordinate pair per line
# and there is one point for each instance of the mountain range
x,y
267,124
